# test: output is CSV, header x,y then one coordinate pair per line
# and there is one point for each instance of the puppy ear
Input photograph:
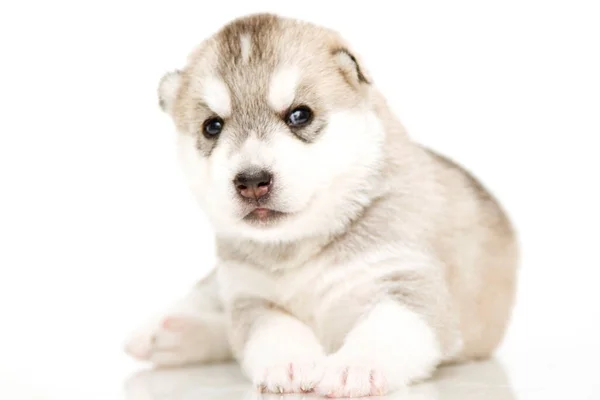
x,y
168,89
352,70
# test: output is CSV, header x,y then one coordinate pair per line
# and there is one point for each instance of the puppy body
x,y
377,259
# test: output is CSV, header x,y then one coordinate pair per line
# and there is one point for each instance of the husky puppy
x,y
351,260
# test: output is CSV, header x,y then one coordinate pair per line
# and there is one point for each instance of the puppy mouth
x,y
262,215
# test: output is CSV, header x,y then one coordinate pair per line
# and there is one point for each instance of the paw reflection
x,y
486,380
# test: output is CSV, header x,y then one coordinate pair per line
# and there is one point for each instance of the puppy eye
x,y
299,117
212,127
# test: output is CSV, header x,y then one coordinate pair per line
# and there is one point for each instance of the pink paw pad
x,y
352,382
174,323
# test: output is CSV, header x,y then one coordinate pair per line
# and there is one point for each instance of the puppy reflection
x,y
483,380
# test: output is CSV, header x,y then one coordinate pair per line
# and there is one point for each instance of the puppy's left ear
x,y
351,68
168,88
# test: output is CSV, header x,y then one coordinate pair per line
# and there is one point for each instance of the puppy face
x,y
277,133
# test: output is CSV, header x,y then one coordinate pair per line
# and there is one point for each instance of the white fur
x,y
282,88
332,305
246,47
329,281
237,280
180,334
391,347
195,167
302,174
217,97
177,339
167,91
283,355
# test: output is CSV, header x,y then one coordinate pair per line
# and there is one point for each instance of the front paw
x,y
170,341
298,376
348,378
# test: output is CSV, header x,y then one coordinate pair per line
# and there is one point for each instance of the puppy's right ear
x,y
168,88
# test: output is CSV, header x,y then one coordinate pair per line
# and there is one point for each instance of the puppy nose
x,y
253,184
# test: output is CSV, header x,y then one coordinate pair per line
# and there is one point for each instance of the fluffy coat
x,y
384,260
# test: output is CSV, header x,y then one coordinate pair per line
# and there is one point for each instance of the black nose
x,y
253,184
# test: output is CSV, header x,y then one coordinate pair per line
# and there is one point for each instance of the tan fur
x,y
274,41
413,199
437,201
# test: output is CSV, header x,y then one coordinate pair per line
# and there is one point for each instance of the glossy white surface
x,y
98,231
531,374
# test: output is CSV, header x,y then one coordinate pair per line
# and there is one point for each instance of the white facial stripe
x,y
246,46
283,87
216,96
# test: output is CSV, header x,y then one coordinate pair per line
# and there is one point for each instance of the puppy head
x,y
277,133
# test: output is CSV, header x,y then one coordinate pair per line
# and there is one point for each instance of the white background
x,y
98,229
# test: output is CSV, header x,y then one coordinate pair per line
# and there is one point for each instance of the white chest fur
x,y
326,296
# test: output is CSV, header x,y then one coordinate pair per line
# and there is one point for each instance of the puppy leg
x,y
390,347
279,353
191,331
